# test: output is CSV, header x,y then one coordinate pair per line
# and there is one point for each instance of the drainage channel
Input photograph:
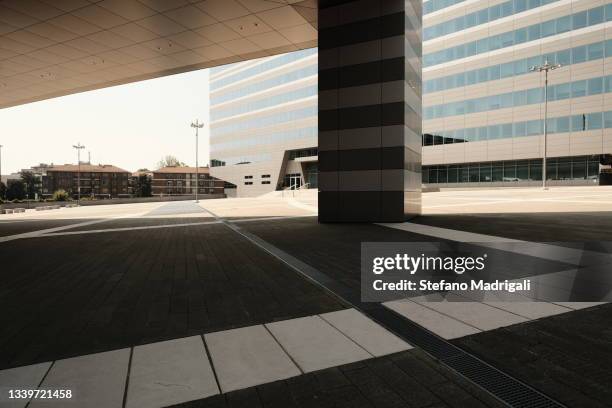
x,y
507,389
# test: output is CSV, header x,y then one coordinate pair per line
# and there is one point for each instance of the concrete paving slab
x,y
96,380
377,340
170,372
314,344
580,305
442,325
247,357
20,378
475,314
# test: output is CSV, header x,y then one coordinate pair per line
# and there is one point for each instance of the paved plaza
x,y
252,302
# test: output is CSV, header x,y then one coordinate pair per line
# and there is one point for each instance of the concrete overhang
x,y
50,48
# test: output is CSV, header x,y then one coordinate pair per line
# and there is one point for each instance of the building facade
x,y
181,180
483,108
100,181
263,130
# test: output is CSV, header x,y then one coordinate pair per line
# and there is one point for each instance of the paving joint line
x,y
448,354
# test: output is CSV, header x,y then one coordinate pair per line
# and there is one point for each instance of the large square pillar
x,y
369,110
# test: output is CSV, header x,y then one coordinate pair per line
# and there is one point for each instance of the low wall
x,y
34,204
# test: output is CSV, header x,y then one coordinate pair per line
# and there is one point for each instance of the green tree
x,y
16,190
2,190
61,195
143,186
170,161
30,182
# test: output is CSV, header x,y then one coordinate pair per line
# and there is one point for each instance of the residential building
x,y
100,181
263,130
483,108
181,180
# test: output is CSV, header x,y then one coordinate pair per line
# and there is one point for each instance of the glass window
x,y
519,129
564,170
564,24
578,123
533,127
608,48
506,9
534,96
520,98
579,20
506,130
510,171
535,170
497,171
596,15
563,124
579,169
521,67
579,89
522,170
594,121
470,134
494,12
452,174
506,70
579,54
474,170
485,172
533,32
483,75
470,77
608,119
520,36
595,86
562,91
592,169
534,3
506,100
494,72
494,132
520,5
608,83
608,12
494,102
551,170
482,133
564,57
548,28
595,51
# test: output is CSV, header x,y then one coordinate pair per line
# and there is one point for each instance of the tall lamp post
x,y
197,125
545,68
79,147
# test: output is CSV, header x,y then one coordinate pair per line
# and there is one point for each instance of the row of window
x,y
576,55
534,32
576,89
562,168
483,16
434,5
263,67
266,84
267,138
260,121
265,102
294,154
250,183
563,124
245,159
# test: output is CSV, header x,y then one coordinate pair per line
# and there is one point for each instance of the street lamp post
x,y
545,68
197,125
79,147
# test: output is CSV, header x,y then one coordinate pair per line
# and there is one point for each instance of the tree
x,y
170,161
2,190
31,185
16,190
143,186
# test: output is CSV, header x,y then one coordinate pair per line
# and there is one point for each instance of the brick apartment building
x,y
177,180
101,181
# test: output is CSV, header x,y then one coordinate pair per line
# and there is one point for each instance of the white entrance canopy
x,y
50,48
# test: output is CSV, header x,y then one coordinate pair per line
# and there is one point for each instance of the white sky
x,y
131,126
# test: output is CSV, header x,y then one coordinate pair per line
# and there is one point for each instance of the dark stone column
x,y
369,110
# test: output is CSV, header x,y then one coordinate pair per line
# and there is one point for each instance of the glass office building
x,y
263,131
483,109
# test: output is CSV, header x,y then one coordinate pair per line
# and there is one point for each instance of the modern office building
x,y
483,108
101,181
181,180
263,131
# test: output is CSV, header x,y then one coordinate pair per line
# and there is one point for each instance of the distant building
x,y
102,180
177,180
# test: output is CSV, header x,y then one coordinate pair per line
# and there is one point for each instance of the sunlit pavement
x,y
150,305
